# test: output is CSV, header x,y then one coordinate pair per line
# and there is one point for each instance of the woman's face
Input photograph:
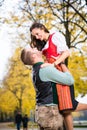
x,y
38,33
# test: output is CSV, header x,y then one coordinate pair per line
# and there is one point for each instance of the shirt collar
x,y
38,63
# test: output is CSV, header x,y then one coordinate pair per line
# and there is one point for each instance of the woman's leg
x,y
68,120
80,107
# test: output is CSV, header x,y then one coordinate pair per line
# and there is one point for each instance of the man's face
x,y
32,55
33,51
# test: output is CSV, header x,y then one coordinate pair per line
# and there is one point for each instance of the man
x,y
18,120
47,115
44,80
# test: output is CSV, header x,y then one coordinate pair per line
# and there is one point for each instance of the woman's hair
x,y
38,25
36,42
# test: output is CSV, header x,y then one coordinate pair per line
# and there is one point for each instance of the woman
x,y
25,122
52,45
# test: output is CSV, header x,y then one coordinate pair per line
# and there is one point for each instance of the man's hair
x,y
26,57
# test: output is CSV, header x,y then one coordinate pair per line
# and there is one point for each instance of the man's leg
x,y
18,126
40,128
64,127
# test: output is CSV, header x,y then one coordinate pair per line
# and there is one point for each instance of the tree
x,y
1,2
18,82
78,67
7,104
69,17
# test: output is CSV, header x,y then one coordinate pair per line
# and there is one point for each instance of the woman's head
x,y
39,35
38,30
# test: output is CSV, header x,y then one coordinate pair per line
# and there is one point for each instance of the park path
x,y
5,126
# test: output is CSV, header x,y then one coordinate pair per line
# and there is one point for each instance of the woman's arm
x,y
62,57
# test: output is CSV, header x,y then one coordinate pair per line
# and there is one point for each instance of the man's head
x,y
30,56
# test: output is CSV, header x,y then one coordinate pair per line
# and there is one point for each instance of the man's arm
x,y
50,73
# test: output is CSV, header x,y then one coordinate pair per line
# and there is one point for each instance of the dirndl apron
x,y
63,93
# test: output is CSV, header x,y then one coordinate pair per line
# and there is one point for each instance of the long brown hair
x,y
36,42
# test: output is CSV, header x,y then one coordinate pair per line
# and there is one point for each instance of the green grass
x,y
80,126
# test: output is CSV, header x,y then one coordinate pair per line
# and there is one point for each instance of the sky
x,y
5,50
82,99
5,42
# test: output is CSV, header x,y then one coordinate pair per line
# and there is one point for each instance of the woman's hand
x,y
46,64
